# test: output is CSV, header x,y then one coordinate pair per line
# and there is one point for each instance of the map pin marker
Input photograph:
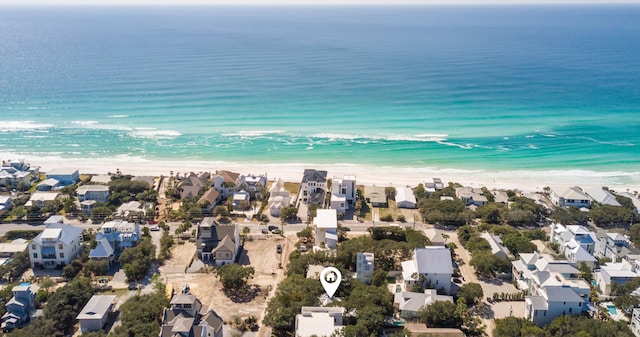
x,y
330,278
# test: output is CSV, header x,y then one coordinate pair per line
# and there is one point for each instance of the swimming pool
x,y
612,309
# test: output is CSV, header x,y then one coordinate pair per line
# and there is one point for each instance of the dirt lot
x,y
259,253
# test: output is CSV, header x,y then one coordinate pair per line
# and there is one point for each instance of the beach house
x,y
471,196
562,235
65,176
326,228
186,317
435,236
279,198
551,302
217,243
103,251
610,245
343,193
255,185
497,248
5,203
209,200
42,199
57,245
17,172
410,303
569,196
10,248
364,267
375,195
614,272
120,234
20,307
240,200
602,196
313,187
95,314
49,184
225,182
434,264
405,198
192,185
318,321
99,193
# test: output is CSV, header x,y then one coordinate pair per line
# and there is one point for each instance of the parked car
x,y
154,228
279,249
275,231
264,231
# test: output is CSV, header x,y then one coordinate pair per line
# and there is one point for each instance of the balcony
x,y
49,257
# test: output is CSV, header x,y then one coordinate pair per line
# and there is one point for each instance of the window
x,y
570,309
60,246
187,306
33,247
545,313
62,255
35,255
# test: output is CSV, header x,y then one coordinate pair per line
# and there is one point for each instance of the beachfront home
x,y
551,302
618,272
20,307
240,201
433,184
99,193
65,176
209,200
225,182
434,264
375,195
57,245
5,203
364,267
149,180
500,197
192,185
16,172
313,187
326,228
48,185
471,196
497,247
569,196
186,317
435,236
95,313
42,199
405,198
410,303
318,321
602,196
253,184
279,198
343,193
217,243
634,200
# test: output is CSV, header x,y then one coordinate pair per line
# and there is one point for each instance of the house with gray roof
x,y
551,302
15,172
434,264
47,185
471,196
5,203
187,318
217,243
375,195
313,187
99,193
435,236
497,247
602,196
20,307
569,196
57,245
103,251
95,313
65,176
410,303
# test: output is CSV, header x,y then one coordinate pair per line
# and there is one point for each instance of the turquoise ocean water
x,y
510,88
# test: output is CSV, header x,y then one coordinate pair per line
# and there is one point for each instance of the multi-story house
x,y
120,234
563,235
279,198
253,184
313,187
225,182
617,272
326,228
434,264
65,176
57,245
364,267
20,307
570,196
185,318
343,193
319,321
551,302
15,172
217,243
99,193
471,196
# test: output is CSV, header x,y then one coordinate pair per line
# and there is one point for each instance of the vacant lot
x,y
259,254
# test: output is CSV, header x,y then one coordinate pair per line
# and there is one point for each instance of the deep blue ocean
x,y
509,88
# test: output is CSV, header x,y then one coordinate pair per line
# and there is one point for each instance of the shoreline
x,y
526,181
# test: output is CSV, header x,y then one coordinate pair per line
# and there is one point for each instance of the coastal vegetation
x,y
563,326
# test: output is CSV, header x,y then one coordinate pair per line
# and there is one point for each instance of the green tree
x,y
100,213
420,192
517,327
289,213
470,292
234,276
136,260
487,264
141,315
220,210
441,314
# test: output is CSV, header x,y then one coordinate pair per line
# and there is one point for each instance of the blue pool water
x,y
612,309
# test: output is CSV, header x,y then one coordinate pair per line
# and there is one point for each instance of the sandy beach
x,y
527,181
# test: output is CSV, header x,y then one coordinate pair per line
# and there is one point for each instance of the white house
x,y
99,193
618,272
634,199
535,271
326,224
569,196
41,199
343,193
434,264
120,234
5,203
497,248
57,245
405,198
611,245
634,325
65,176
602,196
562,235
318,321
279,198
313,187
225,182
471,196
411,303
364,267
576,255
240,200
14,172
95,313
48,185
551,302
432,185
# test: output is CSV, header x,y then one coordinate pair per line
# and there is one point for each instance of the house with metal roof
x,y
410,303
471,196
99,193
551,302
375,195
120,234
65,176
602,196
569,196
187,318
47,185
279,198
497,248
20,307
6,203
103,251
434,264
217,243
318,321
618,272
313,187
405,198
326,228
57,245
95,313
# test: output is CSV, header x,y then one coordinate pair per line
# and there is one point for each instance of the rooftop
x,y
97,307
